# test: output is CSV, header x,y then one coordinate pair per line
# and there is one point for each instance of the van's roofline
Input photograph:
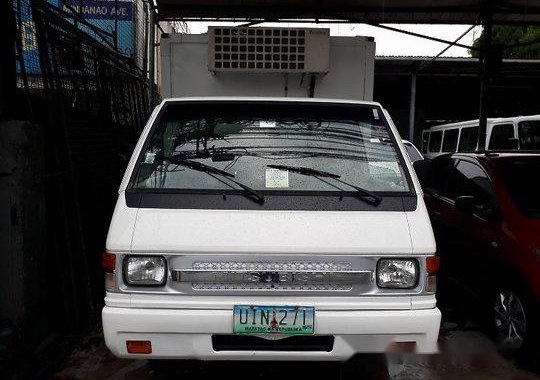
x,y
269,99
489,120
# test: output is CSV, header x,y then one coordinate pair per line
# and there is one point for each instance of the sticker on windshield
x,y
267,124
276,178
149,158
375,114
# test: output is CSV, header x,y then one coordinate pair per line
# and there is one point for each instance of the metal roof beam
x,y
425,65
361,11
453,43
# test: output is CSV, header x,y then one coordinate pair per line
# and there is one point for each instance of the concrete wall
x,y
23,243
185,72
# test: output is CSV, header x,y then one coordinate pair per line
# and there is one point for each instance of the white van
x,y
269,228
521,132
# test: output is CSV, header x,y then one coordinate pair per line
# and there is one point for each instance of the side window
x,y
425,140
468,140
470,179
441,173
450,140
435,141
412,152
502,137
529,135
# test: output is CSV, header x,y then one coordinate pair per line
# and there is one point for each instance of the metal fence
x,y
91,100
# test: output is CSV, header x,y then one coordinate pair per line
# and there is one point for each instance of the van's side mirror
x,y
465,204
424,171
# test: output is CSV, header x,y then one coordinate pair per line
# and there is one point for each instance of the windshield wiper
x,y
366,195
200,167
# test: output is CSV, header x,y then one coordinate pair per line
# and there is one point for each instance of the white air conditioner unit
x,y
282,50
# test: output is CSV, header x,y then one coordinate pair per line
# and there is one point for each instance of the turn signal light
x,y
110,281
139,347
431,284
432,264
108,262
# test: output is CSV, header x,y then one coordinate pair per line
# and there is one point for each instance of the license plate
x,y
286,320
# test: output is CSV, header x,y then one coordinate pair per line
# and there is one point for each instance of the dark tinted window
x,y
441,171
435,141
450,140
470,179
529,135
468,139
502,137
425,140
523,183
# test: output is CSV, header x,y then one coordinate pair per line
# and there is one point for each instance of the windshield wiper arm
x,y
319,174
200,167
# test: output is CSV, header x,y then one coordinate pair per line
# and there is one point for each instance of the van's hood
x,y
236,231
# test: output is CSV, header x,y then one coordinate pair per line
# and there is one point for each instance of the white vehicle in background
x,y
413,153
512,133
269,229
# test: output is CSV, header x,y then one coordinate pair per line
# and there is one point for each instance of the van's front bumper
x,y
187,333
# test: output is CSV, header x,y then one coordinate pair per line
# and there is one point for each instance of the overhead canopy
x,y
362,11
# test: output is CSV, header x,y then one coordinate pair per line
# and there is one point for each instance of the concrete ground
x,y
466,353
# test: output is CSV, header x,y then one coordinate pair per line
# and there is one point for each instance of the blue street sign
x,y
104,9
104,14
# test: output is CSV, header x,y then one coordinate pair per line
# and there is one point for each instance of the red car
x,y
485,211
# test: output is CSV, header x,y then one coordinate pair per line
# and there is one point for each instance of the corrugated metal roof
x,y
454,66
423,57
449,59
374,11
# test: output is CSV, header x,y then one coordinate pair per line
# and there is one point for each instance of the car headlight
x,y
397,273
145,270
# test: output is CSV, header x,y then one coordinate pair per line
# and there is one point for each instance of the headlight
x,y
145,270
397,273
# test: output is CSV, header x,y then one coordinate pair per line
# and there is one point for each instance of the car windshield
x,y
243,138
521,179
529,135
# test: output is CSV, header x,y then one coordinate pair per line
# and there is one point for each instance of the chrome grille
x,y
272,276
275,266
264,286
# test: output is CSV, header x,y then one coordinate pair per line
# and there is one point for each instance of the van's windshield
x,y
243,138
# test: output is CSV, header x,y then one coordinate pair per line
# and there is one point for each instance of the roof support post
x,y
412,107
151,56
486,55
